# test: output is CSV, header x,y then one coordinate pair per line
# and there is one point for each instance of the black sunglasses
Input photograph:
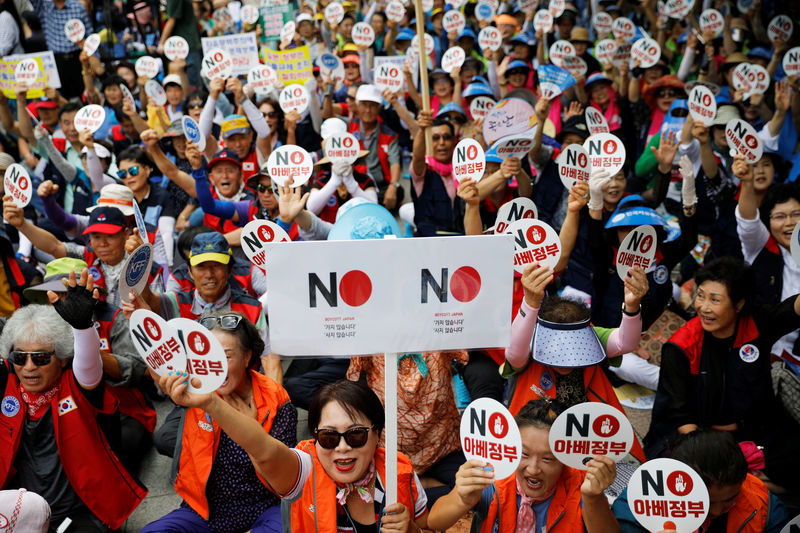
x,y
271,114
354,437
38,358
194,105
133,171
446,137
225,321
263,188
667,92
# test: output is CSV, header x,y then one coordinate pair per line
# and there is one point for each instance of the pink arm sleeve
x,y
626,337
521,334
87,365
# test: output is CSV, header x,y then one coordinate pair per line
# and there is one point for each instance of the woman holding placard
x,y
543,494
336,479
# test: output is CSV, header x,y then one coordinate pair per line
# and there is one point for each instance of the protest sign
x,y
543,21
588,429
47,66
147,66
454,21
331,126
573,165
507,117
604,51
334,13
793,526
602,23
489,433
622,54
605,151
712,21
646,51
527,5
595,121
794,245
135,271
439,293
363,34
559,49
575,66
480,106
781,28
273,16
429,44
89,117
743,77
534,242
294,98
453,58
702,105
623,28
255,235
665,494
331,66
205,357
154,90
126,95
761,79
484,11
18,185
489,37
342,147
556,7
241,49
395,11
192,132
791,61
287,32
91,43
249,14
638,248
679,9
389,77
290,161
176,47
516,145
26,71
292,66
510,212
74,30
262,78
223,19
469,160
137,216
743,139
156,342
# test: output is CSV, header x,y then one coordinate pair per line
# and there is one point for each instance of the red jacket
x,y
385,138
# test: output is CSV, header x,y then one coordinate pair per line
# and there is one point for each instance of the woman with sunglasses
x,y
335,481
275,120
219,485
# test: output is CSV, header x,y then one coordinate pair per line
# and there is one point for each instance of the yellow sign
x,y
292,66
7,80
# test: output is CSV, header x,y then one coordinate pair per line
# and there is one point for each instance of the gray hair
x,y
39,323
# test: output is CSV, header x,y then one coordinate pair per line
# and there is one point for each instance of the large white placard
x,y
241,47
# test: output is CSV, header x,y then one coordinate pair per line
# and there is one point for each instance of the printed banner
x,y
241,47
8,76
292,66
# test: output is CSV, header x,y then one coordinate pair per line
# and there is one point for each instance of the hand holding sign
x,y
135,271
217,64
205,357
294,98
154,90
743,139
469,160
342,147
18,185
489,37
192,132
646,51
453,58
363,34
156,342
590,429
334,13
534,242
255,235
573,165
89,117
638,248
91,43
26,71
606,151
454,21
290,162
490,434
702,104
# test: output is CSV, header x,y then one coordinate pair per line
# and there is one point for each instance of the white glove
x,y
688,193
341,168
597,180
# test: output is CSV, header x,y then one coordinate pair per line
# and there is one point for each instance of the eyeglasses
x,y
225,321
133,171
353,437
38,358
263,188
667,92
781,217
194,105
445,137
271,114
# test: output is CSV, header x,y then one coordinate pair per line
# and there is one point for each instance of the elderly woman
x,y
336,481
51,411
216,479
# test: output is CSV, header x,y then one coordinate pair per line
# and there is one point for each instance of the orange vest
x,y
750,512
200,440
564,512
92,468
595,382
315,509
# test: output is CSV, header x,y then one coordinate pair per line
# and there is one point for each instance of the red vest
x,y
200,440
385,138
240,302
93,470
250,166
99,278
750,512
689,338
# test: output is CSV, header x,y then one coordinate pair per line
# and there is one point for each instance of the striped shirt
x,y
54,19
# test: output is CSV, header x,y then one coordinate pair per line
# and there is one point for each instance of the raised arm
x,y
626,338
167,167
40,238
468,191
578,198
535,280
748,204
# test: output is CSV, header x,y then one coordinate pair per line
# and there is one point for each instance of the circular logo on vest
x,y
661,275
95,273
205,425
332,201
9,406
546,381
748,353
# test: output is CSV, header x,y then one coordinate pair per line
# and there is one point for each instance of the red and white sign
x,y
154,90
743,77
604,51
510,212
18,185
646,51
665,494
262,78
453,58
791,61
217,64
489,37
556,7
156,342
574,65
527,5
89,117
638,248
249,14
127,96
334,13
743,139
389,76
762,79
480,106
363,34
330,66
589,429
331,126
176,47
342,147
469,160
560,49
702,104
621,55
780,28
205,357
91,43
290,161
543,21
516,145
573,165
147,66
623,28
294,98
26,71
534,242
679,9
287,32
595,121
605,151
454,21
489,433
255,235
395,11
428,44
602,23
793,526
712,21
74,30
427,5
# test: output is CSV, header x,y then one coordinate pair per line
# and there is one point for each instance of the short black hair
x,y
713,454
119,114
354,397
69,107
735,274
539,413
135,153
560,310
444,122
382,15
197,94
111,79
186,238
777,194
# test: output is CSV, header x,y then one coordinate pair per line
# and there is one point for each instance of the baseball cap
x,y
115,195
105,219
28,511
351,58
6,160
404,35
574,125
172,78
477,89
233,124
210,246
369,93
225,155
350,47
56,270
303,17
630,212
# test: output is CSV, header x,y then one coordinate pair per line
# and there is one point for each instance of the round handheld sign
x,y
792,526
454,21
516,145
761,79
205,357
679,9
780,28
480,106
290,161
249,14
176,47
91,43
331,66
794,245
288,31
573,165
89,117
332,126
743,139
334,13
126,95
623,28
560,49
791,61
605,151
18,184
534,242
702,104
453,59
395,11
604,51
712,21
389,77
74,30
556,7
156,342
638,248
223,18
255,235
429,45
294,98
589,429
574,65
261,78
192,132
665,494
363,34
489,37
595,121
646,51
489,433
543,21
217,64
26,71
469,160
622,54
154,90
342,147
510,212
508,117
602,23
147,66
743,77
135,271
484,11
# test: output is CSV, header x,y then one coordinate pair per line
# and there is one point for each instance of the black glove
x,y
77,309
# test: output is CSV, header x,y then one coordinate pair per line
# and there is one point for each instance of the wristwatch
x,y
626,312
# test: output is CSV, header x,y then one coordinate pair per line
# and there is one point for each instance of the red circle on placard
x,y
152,328
296,158
605,426
298,91
347,142
393,72
535,234
198,343
465,284
472,152
218,56
355,288
750,141
582,160
678,477
669,525
265,234
23,183
646,243
610,146
502,431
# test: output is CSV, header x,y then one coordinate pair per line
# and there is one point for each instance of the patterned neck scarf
x,y
422,366
361,487
526,518
37,402
444,169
